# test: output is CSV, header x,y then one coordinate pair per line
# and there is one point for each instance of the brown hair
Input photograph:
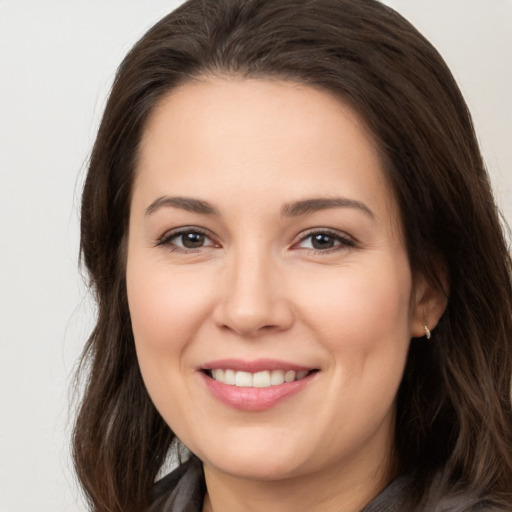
x,y
453,408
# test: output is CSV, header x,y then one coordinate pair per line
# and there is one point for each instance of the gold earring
x,y
427,332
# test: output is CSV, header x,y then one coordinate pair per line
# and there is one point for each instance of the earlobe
x,y
429,303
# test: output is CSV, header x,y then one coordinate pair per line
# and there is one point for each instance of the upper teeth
x,y
257,380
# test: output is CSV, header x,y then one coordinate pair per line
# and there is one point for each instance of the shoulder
x,y
182,490
443,497
460,502
402,494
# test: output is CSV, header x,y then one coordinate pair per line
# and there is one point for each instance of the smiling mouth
x,y
262,379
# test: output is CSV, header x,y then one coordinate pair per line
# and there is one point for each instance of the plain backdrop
x,y
57,61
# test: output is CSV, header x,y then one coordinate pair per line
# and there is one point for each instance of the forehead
x,y
250,108
259,136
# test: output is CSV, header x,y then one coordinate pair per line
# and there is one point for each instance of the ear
x,y
429,301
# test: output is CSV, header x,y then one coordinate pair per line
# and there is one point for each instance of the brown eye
x,y
192,240
324,241
187,240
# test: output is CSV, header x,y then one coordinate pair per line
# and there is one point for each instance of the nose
x,y
253,299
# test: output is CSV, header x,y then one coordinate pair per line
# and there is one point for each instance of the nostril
x,y
269,327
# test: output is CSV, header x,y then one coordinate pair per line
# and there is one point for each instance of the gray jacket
x,y
183,491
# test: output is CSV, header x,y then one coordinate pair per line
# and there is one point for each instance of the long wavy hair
x,y
453,407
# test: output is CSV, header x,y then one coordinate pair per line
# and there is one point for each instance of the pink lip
x,y
254,399
258,365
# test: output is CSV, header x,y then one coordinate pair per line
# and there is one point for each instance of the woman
x,y
299,269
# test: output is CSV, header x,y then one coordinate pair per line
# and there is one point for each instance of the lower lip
x,y
255,399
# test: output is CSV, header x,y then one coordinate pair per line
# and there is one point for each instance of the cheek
x,y
361,317
166,311
165,307
359,300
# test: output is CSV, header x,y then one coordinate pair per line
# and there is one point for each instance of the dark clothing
x,y
183,490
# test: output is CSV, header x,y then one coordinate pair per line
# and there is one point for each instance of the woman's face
x,y
269,288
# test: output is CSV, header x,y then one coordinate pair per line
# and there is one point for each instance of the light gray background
x,y
57,60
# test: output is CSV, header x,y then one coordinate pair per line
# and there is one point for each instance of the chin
x,y
263,469
256,463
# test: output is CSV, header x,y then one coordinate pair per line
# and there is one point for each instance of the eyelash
x,y
341,241
167,239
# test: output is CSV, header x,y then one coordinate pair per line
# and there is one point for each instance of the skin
x,y
258,289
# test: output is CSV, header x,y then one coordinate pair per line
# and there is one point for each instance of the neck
x,y
334,489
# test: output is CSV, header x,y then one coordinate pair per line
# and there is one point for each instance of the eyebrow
x,y
185,203
294,209
313,205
